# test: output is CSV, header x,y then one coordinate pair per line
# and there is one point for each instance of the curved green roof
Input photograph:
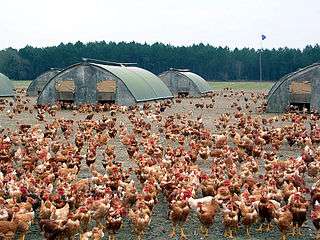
x,y
201,84
6,86
142,84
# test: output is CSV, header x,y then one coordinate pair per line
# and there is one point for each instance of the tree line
x,y
212,63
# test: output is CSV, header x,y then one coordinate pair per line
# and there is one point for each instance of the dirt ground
x,y
160,226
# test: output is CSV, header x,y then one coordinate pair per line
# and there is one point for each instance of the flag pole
x,y
260,59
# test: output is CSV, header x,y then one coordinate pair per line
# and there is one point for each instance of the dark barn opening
x,y
65,92
66,105
106,91
183,94
299,106
300,95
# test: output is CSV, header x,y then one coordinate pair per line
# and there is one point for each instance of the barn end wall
x,y
165,77
179,83
315,92
123,96
6,86
279,100
48,94
85,77
38,84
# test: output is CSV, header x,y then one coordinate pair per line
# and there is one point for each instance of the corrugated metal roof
x,y
142,84
6,86
202,84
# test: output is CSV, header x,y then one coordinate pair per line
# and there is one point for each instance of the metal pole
x,y
106,62
260,63
260,59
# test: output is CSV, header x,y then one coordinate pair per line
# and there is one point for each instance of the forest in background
x,y
212,63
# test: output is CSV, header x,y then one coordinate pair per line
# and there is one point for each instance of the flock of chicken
x,y
65,175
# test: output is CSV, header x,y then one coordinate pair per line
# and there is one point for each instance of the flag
x,y
263,37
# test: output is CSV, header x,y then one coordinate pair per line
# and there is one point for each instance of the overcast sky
x,y
233,23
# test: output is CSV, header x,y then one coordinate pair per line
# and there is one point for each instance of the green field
x,y
21,83
242,85
215,85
